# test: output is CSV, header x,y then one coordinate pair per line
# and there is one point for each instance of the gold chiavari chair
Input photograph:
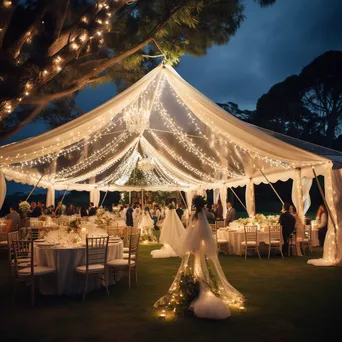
x,y
23,251
251,240
96,258
128,264
275,239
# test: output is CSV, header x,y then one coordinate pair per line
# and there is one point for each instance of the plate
x,y
39,240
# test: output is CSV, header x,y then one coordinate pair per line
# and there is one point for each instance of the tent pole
x,y
238,198
64,194
324,200
180,192
269,183
129,197
104,197
272,187
29,195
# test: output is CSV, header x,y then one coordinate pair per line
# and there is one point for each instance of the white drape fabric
x,y
223,197
332,251
95,197
216,195
2,189
298,201
250,198
306,186
171,236
189,196
50,197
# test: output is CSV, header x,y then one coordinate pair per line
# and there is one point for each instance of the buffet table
x,y
65,259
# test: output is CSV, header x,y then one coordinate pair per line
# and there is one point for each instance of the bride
x,y
200,286
171,236
146,227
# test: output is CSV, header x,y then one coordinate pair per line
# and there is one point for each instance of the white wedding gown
x,y
171,236
200,262
146,228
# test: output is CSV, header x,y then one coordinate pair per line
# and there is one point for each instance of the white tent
x,y
180,140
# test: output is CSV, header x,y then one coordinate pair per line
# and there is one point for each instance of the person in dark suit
x,y
92,209
180,211
36,211
129,216
231,213
287,222
84,211
219,211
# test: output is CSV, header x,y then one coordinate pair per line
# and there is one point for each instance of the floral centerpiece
x,y
103,218
260,220
24,207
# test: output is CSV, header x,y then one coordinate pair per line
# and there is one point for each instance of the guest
x,y
129,216
35,210
322,224
231,213
91,210
41,205
287,222
59,211
84,211
50,210
13,220
210,216
180,211
219,211
70,210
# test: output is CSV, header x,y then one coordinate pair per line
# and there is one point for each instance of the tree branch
x,y
10,132
5,19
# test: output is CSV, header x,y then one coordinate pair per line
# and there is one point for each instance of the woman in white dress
x,y
171,236
200,277
146,227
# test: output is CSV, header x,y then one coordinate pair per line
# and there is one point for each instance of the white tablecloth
x,y
65,260
236,237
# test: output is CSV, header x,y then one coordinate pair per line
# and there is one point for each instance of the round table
x,y
65,259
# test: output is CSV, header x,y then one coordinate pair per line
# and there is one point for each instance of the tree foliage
x,y
50,49
308,105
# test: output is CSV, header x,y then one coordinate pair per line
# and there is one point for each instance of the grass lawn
x,y
286,300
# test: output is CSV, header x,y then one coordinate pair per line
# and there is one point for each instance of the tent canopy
x,y
159,134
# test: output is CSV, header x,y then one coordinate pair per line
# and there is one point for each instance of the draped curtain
x,y
223,197
250,198
95,197
2,189
50,197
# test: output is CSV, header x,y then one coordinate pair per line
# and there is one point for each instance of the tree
x,y
321,91
307,106
50,49
233,108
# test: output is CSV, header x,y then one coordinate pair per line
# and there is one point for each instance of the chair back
x,y
213,231
33,233
36,223
23,250
134,239
307,233
96,250
10,237
251,233
220,224
274,233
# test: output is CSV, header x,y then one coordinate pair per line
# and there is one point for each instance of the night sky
x,y
271,44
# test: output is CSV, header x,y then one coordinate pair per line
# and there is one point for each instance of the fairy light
x,y
7,3
74,46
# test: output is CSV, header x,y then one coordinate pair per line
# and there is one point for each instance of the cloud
x,y
272,43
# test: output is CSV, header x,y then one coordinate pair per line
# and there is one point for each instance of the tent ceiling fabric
x,y
186,139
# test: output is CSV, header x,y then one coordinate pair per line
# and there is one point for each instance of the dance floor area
x,y
286,300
